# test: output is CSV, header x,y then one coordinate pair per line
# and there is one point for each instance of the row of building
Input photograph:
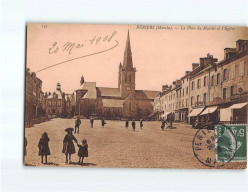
x,y
212,91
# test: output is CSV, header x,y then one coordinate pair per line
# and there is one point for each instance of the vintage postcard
x,y
136,96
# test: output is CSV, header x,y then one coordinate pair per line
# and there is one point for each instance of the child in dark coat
x,y
43,147
83,151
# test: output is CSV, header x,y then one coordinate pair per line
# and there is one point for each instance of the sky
x,y
161,53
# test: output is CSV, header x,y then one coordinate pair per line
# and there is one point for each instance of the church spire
x,y
128,62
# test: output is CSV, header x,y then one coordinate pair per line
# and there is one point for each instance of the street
x,y
116,146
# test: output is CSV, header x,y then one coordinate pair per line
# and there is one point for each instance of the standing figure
x,y
91,122
141,123
43,147
133,125
163,124
83,151
103,123
68,146
77,124
127,124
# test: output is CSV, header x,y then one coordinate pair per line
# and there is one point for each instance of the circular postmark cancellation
x,y
214,148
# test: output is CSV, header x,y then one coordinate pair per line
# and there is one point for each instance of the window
x,y
198,99
204,98
233,72
187,90
218,79
205,81
183,92
192,85
125,78
232,90
198,83
192,100
241,68
186,102
224,74
130,78
224,93
212,80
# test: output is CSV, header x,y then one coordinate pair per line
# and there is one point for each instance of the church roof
x,y
107,91
145,94
112,103
91,90
59,94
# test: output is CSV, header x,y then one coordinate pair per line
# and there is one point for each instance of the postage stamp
x,y
226,142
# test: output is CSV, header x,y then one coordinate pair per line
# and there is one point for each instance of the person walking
x,y
103,123
91,122
43,147
68,146
83,151
133,125
77,124
127,124
163,124
141,123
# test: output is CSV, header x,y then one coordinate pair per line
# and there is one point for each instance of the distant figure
x,y
133,125
127,124
77,124
43,147
83,151
141,123
68,146
163,124
103,123
91,122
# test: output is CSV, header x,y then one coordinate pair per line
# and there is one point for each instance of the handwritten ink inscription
x,y
69,47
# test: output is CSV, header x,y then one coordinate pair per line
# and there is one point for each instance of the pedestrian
x,y
163,124
68,146
127,124
77,124
103,123
133,125
91,122
141,123
43,147
83,151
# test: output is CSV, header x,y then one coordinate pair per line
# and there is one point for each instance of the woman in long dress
x,y
68,146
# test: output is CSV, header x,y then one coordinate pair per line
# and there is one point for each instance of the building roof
x,y
69,96
91,90
112,103
59,94
106,91
143,94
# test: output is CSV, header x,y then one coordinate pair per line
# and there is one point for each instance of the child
x,y
43,147
83,151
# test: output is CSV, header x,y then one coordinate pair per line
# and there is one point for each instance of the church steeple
x,y
128,62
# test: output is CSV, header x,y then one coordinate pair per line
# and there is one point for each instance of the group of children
x,y
68,147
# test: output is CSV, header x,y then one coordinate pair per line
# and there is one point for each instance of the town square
x,y
78,121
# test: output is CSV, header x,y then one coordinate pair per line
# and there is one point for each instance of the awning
x,y
238,106
195,112
209,110
225,114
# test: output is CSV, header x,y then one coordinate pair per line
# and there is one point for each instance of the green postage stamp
x,y
231,143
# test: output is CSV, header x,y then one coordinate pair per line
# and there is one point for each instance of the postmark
x,y
215,148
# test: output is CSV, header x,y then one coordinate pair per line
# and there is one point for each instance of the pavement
x,y
115,146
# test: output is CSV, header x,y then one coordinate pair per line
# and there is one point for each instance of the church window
x,y
125,78
130,78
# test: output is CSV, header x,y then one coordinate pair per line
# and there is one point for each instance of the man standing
x,y
133,125
91,122
77,124
141,123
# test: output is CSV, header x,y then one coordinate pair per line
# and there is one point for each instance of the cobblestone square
x,y
115,146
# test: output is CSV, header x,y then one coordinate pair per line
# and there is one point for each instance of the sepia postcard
x,y
136,96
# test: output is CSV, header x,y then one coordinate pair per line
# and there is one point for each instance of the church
x,y
124,102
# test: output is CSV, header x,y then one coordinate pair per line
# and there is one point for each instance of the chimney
x,y
164,87
194,66
239,44
187,72
204,62
229,52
